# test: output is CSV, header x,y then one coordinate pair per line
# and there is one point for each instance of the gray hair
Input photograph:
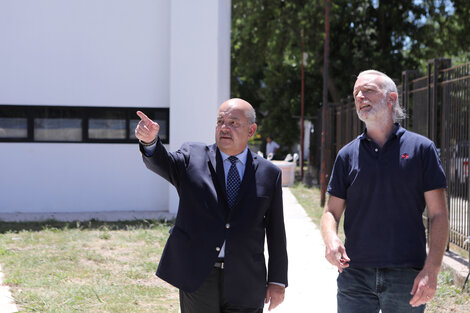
x,y
251,115
388,85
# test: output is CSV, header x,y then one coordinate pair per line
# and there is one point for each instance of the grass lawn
x,y
91,267
448,298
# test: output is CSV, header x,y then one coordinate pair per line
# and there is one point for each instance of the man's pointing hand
x,y
146,130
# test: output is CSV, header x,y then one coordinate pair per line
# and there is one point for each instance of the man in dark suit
x,y
230,200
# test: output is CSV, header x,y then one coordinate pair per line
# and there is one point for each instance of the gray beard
x,y
378,117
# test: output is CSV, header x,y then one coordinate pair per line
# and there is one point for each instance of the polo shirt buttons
x,y
376,150
227,225
217,249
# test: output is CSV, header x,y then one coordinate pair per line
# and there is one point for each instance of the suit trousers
x,y
209,298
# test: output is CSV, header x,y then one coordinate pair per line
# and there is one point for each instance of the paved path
x,y
7,305
312,280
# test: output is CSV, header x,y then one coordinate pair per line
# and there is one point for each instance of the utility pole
x,y
302,109
324,114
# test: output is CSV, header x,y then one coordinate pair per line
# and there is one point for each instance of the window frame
x,y
85,113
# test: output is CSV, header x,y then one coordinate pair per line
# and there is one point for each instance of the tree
x,y
266,56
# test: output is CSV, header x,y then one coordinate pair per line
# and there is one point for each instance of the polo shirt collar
x,y
398,132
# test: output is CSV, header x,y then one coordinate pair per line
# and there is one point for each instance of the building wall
x,y
200,71
93,53
48,180
117,53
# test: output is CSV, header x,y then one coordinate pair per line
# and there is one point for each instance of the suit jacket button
x,y
227,225
217,249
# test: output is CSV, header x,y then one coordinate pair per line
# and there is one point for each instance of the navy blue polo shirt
x,y
384,192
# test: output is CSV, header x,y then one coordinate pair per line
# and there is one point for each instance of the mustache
x,y
224,134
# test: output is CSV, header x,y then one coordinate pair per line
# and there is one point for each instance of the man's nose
x,y
224,128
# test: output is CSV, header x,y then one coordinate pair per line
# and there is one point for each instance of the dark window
x,y
57,124
161,117
76,124
107,124
13,124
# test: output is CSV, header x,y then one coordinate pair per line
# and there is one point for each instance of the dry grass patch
x,y
95,267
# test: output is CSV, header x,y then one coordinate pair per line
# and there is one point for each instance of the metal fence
x,y
454,86
438,107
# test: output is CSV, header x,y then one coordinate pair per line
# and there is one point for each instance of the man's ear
x,y
392,97
252,130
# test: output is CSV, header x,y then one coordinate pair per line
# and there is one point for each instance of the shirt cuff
x,y
279,284
150,150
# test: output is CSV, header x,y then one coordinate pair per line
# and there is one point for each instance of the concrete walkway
x,y
7,304
312,280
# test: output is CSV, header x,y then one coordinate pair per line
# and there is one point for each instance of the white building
x,y
72,75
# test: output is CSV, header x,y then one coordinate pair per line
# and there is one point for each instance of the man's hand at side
x,y
335,251
424,287
274,295
336,254
425,283
146,130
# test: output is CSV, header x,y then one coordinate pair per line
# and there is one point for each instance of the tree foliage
x,y
266,61
390,36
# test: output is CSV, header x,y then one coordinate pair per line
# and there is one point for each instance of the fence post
x,y
405,95
468,190
434,66
431,99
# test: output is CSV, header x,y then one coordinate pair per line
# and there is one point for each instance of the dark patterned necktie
x,y
233,182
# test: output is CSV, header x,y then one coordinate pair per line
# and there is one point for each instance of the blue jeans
x,y
368,290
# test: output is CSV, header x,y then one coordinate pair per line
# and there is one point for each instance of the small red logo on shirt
x,y
405,156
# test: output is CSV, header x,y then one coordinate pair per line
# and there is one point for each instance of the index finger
x,y
143,117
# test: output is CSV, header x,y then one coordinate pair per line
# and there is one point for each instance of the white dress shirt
x,y
241,170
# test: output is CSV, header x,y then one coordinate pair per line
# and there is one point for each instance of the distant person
x,y
230,200
382,181
271,147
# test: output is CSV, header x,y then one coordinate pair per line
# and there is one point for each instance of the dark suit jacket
x,y
204,222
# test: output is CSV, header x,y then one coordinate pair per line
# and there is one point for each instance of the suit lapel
x,y
216,168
